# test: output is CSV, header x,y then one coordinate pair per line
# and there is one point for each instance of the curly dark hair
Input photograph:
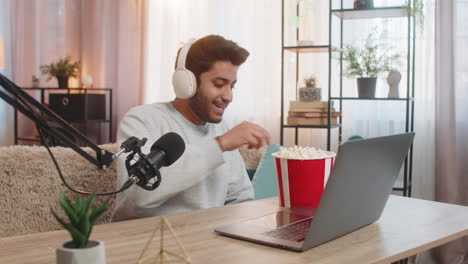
x,y
206,51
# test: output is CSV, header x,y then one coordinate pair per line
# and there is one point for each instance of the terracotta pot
x,y
95,253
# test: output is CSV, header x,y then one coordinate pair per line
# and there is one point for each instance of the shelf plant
x,y
310,82
367,63
62,69
82,216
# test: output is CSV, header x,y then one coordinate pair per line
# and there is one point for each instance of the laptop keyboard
x,y
293,232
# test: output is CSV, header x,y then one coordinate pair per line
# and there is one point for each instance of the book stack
x,y
310,113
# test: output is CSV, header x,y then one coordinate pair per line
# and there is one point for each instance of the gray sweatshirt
x,y
202,177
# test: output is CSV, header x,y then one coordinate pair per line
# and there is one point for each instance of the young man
x,y
211,171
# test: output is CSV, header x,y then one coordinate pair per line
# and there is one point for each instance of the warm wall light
x,y
2,53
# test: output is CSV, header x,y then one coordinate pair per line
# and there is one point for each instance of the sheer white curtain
x,y
254,25
452,116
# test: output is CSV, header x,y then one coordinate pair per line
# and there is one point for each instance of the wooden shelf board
x,y
309,49
371,99
379,12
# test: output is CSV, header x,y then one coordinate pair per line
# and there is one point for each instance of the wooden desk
x,y
408,226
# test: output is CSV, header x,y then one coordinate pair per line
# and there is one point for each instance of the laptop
x,y
362,179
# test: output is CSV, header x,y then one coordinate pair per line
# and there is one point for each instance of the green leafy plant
x,y
416,10
310,82
62,69
82,217
367,62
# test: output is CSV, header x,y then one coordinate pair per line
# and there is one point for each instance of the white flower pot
x,y
94,254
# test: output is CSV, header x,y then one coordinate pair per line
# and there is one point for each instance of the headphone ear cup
x,y
185,83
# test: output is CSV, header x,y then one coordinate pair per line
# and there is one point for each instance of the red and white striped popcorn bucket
x,y
301,181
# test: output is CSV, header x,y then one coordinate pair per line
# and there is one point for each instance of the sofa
x,y
30,185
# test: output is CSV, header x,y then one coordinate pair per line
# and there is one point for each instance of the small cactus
x,y
310,82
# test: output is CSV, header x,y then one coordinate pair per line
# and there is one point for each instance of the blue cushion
x,y
264,180
354,137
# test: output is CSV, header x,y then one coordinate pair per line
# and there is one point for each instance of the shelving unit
x,y
343,15
82,124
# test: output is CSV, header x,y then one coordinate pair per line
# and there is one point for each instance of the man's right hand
x,y
246,133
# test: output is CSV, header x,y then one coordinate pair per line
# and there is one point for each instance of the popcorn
x,y
298,152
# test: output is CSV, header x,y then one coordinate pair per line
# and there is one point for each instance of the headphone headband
x,y
183,55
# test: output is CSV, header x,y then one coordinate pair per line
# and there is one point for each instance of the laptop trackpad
x,y
283,218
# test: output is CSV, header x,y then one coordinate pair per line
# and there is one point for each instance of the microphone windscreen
x,y
172,144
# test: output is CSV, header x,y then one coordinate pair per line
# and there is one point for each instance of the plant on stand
x,y
82,216
367,64
63,69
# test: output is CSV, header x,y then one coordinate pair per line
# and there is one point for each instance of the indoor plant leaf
x,y
68,208
82,217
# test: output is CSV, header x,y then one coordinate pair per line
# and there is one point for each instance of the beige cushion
x,y
30,185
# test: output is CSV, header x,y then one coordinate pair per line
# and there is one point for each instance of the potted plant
x,y
363,4
367,64
310,92
82,216
62,70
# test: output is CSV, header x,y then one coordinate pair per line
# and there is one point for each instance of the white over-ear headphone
x,y
183,80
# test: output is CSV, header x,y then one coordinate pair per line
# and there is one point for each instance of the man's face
x,y
215,92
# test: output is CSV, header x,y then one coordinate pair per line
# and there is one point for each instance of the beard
x,y
200,105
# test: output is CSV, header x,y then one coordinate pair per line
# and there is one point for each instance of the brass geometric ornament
x,y
163,255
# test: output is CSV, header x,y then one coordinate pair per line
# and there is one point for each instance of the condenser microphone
x,y
164,152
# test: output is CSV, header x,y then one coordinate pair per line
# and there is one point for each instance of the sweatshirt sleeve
x,y
240,187
187,171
